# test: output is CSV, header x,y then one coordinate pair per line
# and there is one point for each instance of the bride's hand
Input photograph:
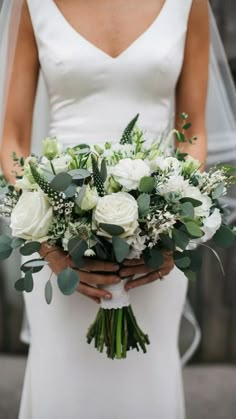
x,y
91,274
133,267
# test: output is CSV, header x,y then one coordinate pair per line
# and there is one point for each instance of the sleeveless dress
x,y
92,97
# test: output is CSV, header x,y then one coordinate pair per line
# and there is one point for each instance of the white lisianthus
x,y
210,226
165,164
25,184
60,164
120,209
137,244
90,198
202,210
32,216
128,173
174,183
190,165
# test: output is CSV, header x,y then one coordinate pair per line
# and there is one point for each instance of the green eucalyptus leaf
x,y
187,125
61,182
48,292
181,239
29,282
193,229
167,242
218,191
154,258
79,174
181,260
5,252
20,285
147,184
112,229
71,190
30,248
195,203
17,242
121,248
68,281
76,248
187,210
143,203
5,240
224,237
35,263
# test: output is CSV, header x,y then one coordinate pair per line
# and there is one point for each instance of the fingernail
x,y
108,297
117,279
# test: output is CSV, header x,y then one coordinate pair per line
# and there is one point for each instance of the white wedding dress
x,y
92,98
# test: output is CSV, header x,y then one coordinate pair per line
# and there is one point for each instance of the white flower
x,y
51,148
210,226
194,192
175,183
120,209
32,216
90,198
190,165
165,164
25,184
137,244
128,173
89,253
60,164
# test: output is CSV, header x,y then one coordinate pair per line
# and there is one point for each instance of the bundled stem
x,y
117,330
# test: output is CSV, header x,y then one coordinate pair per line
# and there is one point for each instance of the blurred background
x,y
210,379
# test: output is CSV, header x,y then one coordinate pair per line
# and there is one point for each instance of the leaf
x,y
35,263
167,241
48,292
5,252
192,276
187,210
195,203
112,229
26,267
121,248
68,281
147,184
30,248
143,203
5,240
224,237
154,258
103,170
29,282
181,239
187,126
79,174
76,248
17,242
71,190
180,137
61,182
218,191
193,229
181,261
20,285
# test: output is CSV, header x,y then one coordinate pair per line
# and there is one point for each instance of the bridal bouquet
x,y
131,199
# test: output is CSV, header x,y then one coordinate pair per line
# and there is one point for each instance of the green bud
x,y
50,148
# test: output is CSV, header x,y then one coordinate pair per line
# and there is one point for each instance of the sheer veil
x,y
221,108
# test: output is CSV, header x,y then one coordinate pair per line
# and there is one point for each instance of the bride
x,y
103,62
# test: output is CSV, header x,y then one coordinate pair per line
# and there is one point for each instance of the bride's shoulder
x,y
199,14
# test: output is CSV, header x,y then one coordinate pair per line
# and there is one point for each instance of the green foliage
x,y
17,242
181,260
153,258
147,184
224,237
218,191
167,242
121,248
33,265
103,170
5,247
48,292
112,229
127,134
28,282
68,281
195,203
61,182
143,201
187,210
181,239
193,229
30,248
76,248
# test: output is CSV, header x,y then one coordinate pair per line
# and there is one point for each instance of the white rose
x,y
128,173
90,199
165,164
118,208
195,193
31,217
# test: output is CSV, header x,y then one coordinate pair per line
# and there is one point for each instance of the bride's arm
x,y
17,138
191,92
22,90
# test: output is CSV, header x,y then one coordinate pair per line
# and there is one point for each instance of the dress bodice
x,y
92,95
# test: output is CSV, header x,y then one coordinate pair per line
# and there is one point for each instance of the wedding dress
x,y
92,98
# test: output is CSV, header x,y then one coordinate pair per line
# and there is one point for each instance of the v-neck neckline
x,y
76,33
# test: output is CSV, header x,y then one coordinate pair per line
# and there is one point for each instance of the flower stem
x,y
52,167
119,334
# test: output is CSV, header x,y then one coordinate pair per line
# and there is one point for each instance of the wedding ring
x,y
160,275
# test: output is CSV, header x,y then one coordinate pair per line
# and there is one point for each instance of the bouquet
x,y
131,199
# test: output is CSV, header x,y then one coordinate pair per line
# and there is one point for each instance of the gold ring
x,y
160,275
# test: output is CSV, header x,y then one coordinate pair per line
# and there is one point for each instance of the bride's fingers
x,y
135,270
133,262
98,279
146,279
93,265
92,292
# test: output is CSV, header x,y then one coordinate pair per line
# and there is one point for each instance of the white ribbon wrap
x,y
120,297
